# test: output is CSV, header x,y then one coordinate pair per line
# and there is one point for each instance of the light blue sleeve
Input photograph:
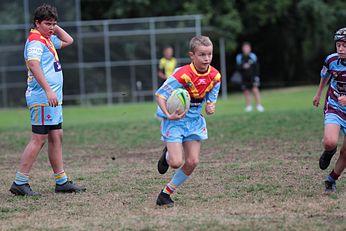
x,y
34,50
253,56
238,59
325,71
168,86
213,94
56,41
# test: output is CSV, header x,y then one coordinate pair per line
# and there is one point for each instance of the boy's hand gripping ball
x,y
178,101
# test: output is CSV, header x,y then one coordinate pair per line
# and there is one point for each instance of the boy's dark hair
x,y
246,43
167,47
45,12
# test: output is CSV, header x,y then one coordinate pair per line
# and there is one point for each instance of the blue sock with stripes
x,y
21,178
60,177
178,179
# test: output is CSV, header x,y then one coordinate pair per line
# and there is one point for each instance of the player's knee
x,y
175,163
192,162
329,144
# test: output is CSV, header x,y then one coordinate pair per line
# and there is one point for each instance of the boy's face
x,y
201,57
168,53
246,48
46,27
341,49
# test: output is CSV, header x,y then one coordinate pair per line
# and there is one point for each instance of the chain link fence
x,y
111,61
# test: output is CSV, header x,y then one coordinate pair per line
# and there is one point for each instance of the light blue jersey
x,y
202,88
44,51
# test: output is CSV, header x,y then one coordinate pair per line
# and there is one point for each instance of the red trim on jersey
x,y
195,83
36,35
42,114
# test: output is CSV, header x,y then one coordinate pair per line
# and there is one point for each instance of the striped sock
x,y
178,179
60,177
21,178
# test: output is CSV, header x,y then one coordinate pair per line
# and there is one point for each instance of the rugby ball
x,y
179,101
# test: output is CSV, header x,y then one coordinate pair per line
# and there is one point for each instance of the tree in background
x,y
290,37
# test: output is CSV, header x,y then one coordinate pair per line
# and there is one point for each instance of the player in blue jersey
x,y
183,133
334,69
44,99
248,67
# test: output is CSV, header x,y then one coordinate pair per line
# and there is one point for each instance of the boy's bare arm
x,y
317,97
35,68
65,38
162,104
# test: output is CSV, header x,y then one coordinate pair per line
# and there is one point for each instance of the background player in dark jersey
x,y
248,67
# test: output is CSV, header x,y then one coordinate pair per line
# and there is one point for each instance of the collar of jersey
x,y
35,31
197,73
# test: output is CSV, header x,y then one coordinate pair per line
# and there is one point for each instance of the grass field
x,y
258,171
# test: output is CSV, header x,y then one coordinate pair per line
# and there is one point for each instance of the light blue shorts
x,y
186,129
331,118
46,115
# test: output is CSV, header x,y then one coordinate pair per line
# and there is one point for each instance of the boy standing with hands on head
x,y
334,69
44,99
183,133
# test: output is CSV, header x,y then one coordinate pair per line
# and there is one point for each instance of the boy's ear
x,y
190,53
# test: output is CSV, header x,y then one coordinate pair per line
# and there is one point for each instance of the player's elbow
x,y
70,41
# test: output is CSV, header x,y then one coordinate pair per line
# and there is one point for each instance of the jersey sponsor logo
x,y
167,88
34,51
195,102
202,82
324,70
57,66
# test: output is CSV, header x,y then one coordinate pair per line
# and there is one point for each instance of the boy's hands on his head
x,y
342,100
65,38
210,108
316,100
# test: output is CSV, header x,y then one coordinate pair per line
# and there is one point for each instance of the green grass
x,y
258,171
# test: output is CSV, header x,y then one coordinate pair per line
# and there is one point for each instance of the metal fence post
x,y
108,63
223,67
4,86
153,55
80,55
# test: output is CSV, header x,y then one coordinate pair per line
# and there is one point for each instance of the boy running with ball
x,y
183,133
334,69
44,99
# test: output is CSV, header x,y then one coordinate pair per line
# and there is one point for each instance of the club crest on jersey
x,y
189,84
57,66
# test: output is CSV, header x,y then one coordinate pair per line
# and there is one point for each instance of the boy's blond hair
x,y
199,40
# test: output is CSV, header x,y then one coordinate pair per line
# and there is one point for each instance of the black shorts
x,y
44,129
255,82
